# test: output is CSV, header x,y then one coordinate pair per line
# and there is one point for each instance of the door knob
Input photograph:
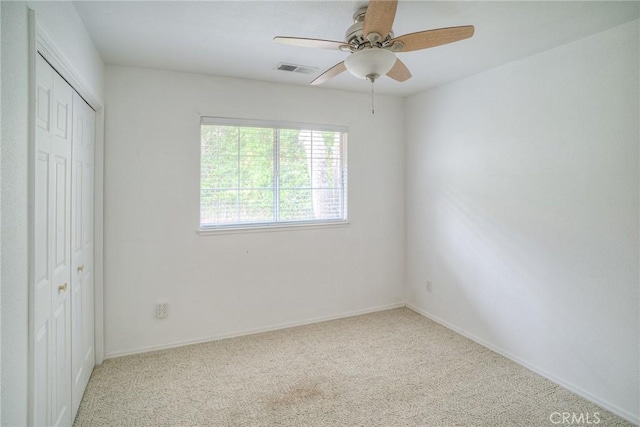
x,y
81,267
62,288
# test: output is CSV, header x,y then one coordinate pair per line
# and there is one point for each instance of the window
x,y
255,174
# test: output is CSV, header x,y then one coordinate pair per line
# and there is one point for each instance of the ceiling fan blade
x,y
330,73
432,38
399,72
379,18
316,43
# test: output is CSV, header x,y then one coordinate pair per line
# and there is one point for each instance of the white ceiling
x,y
234,38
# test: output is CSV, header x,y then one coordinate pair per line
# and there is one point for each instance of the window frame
x,y
277,225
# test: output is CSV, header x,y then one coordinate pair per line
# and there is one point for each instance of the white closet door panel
x,y
62,330
42,214
42,262
61,219
42,300
60,298
63,101
82,238
60,247
42,410
77,288
42,362
61,389
88,324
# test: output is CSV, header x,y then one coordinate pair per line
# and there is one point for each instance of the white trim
x,y
50,52
271,124
236,334
577,390
98,238
43,43
1,188
31,167
271,227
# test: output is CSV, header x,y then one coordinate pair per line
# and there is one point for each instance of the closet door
x,y
52,249
82,311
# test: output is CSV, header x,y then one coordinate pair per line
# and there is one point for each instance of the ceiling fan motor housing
x,y
355,34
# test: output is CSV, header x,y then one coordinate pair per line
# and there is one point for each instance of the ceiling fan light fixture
x,y
370,63
373,45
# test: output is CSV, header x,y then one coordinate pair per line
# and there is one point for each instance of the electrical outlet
x,y
162,309
428,287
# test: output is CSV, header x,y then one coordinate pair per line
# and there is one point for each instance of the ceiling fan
x,y
372,45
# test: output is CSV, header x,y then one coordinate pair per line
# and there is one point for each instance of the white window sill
x,y
270,228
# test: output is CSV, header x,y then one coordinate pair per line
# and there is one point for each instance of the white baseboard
x,y
577,390
285,325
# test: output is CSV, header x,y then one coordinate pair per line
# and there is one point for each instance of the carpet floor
x,y
390,368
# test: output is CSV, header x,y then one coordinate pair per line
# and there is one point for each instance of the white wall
x,y
522,209
224,284
14,212
0,214
63,24
69,34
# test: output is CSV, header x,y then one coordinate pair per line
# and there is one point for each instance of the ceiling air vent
x,y
296,68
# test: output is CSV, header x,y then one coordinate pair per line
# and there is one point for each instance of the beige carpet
x,y
391,368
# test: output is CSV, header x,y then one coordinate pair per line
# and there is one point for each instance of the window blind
x,y
261,175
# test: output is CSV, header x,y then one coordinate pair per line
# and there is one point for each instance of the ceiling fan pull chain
x,y
372,104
